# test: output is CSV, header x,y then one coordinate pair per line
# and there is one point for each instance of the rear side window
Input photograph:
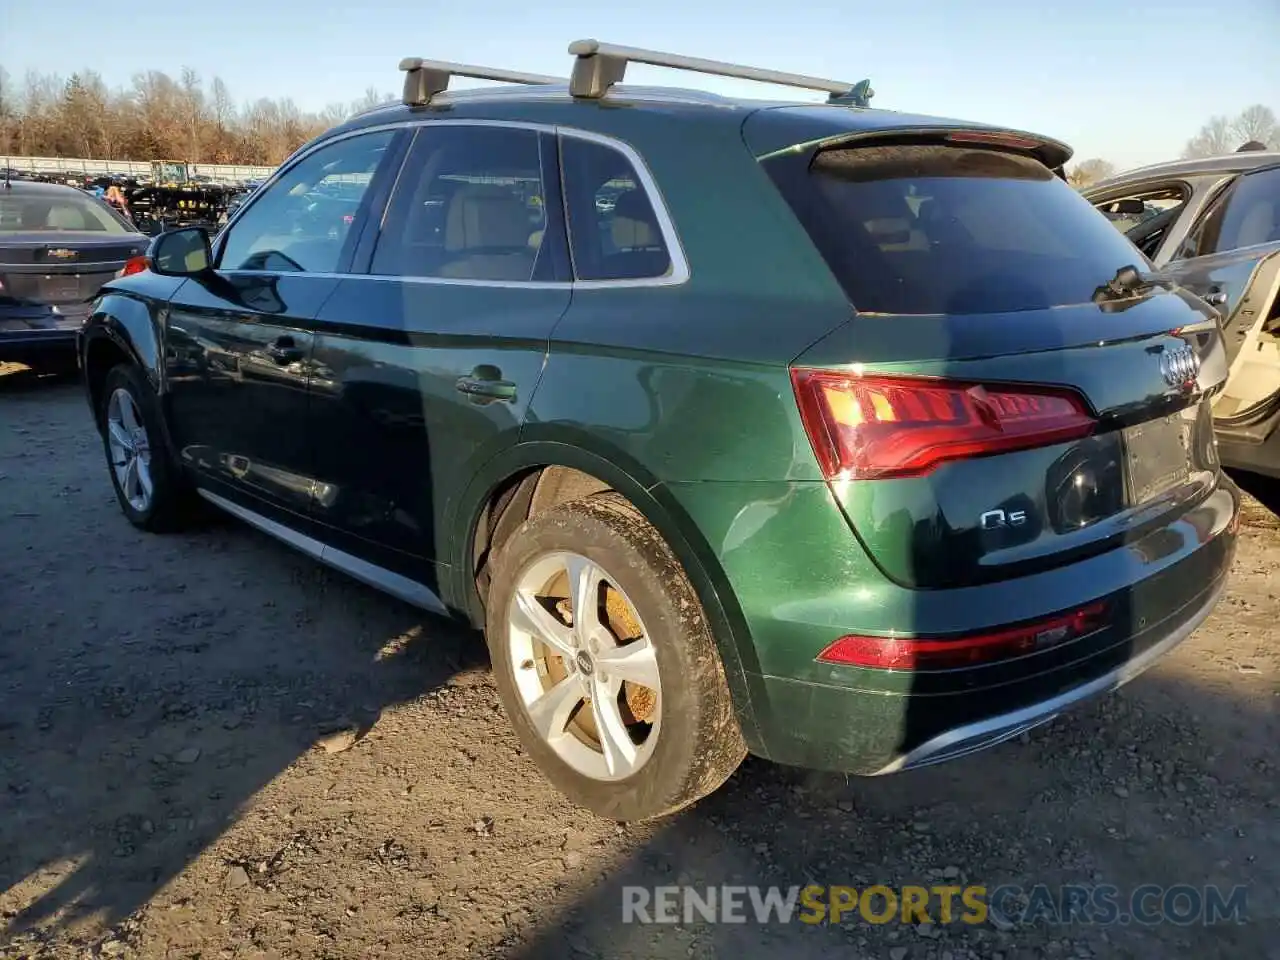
x,y
931,229
613,229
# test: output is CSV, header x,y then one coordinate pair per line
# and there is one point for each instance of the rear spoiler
x,y
1054,154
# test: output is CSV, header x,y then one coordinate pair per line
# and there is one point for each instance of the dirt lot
x,y
211,747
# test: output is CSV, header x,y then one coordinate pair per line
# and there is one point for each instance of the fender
x,y
564,447
130,313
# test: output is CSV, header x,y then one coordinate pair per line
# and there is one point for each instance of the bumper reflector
x,y
935,653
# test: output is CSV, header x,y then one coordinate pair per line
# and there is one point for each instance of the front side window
x,y
613,229
59,212
301,223
1246,214
470,204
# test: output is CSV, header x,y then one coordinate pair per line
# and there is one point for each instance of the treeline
x,y
1220,135
156,117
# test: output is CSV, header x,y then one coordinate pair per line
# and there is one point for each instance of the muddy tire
x,y
624,709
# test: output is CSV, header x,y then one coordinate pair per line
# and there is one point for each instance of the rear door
x,y
1231,258
239,340
425,367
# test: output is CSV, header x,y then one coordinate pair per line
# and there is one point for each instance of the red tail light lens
x,y
917,653
864,428
133,265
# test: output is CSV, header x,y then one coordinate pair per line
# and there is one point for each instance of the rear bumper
x,y
800,589
20,347
978,735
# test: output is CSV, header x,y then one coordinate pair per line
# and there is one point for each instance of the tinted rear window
x,y
931,229
56,212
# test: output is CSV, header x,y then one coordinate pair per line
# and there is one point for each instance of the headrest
x,y
484,217
634,225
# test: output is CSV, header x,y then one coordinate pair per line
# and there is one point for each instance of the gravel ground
x,y
211,747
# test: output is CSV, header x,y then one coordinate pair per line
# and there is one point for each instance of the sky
x,y
1126,80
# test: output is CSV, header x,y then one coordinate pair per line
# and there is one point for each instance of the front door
x,y
240,339
424,368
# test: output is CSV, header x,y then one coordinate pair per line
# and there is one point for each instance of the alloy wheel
x,y
585,666
130,449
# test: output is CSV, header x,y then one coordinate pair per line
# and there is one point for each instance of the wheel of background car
x,y
147,484
605,663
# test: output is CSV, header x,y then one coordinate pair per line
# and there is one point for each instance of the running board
x,y
410,591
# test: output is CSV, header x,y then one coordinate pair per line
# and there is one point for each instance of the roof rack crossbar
x,y
423,79
600,65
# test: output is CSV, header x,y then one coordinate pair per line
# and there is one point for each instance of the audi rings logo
x,y
1179,366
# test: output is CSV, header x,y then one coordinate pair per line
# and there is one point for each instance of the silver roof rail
x,y
423,79
600,65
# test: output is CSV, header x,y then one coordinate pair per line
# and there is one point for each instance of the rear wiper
x,y
1129,282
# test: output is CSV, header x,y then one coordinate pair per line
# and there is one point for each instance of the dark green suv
x,y
849,438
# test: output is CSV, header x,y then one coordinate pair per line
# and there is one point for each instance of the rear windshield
x,y
56,212
930,229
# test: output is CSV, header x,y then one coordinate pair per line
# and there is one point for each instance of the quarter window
x,y
303,221
613,229
469,205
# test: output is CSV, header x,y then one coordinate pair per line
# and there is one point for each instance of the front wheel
x,y
605,663
148,486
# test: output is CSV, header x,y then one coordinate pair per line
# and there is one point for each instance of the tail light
x,y
922,653
864,428
131,266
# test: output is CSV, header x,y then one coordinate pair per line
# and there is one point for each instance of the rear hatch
x,y
1008,395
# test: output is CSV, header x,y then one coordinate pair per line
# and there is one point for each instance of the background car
x,y
1213,226
58,246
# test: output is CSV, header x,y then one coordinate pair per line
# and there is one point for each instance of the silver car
x,y
1213,226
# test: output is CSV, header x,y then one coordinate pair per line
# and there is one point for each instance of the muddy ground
x,y
178,776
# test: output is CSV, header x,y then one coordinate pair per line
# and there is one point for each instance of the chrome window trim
x,y
679,273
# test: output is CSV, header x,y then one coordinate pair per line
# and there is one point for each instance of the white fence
x,y
137,168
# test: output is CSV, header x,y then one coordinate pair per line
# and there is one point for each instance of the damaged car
x,y
1212,226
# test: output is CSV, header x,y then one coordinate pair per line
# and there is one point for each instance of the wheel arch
x,y
124,329
530,477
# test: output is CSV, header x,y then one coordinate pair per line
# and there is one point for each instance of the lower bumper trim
x,y
972,737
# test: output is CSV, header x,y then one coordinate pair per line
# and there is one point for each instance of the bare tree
x,y
1090,171
156,117
191,108
1257,123
1215,138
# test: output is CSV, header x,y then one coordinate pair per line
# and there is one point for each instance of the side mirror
x,y
181,253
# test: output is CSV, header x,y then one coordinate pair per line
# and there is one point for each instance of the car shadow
x,y
150,686
1264,489
1157,784
150,735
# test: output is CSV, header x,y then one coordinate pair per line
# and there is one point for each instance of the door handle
x,y
285,351
1215,298
483,390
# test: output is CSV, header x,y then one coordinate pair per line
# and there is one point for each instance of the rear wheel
x,y
148,486
605,663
